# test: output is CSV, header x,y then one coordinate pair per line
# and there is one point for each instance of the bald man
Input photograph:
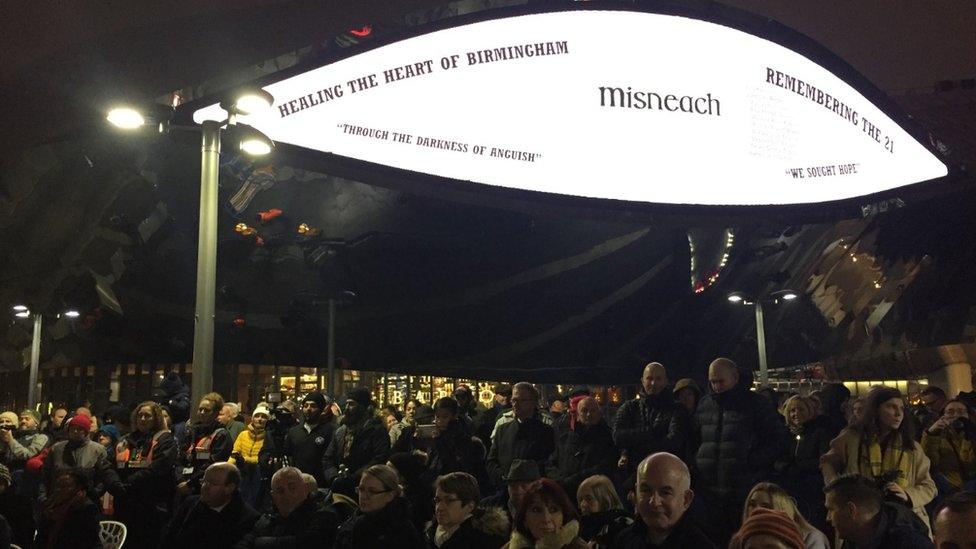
x,y
653,422
215,519
663,494
584,445
741,436
298,521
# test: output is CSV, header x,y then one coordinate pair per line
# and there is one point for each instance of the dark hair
x,y
460,484
933,390
958,502
856,489
878,395
546,490
526,386
416,405
159,424
78,476
449,404
411,466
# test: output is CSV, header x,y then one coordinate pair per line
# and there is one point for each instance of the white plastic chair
x,y
12,546
112,534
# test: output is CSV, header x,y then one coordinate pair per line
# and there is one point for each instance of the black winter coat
x,y
310,525
457,450
370,446
79,531
899,528
530,439
684,535
304,448
388,528
742,435
803,450
580,453
196,525
149,489
603,528
654,423
485,529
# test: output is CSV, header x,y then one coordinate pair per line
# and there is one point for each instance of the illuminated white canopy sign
x,y
604,104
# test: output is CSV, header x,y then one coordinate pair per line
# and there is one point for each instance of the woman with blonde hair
x,y
767,495
799,468
602,515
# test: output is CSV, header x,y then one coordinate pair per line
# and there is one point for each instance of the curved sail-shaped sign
x,y
605,104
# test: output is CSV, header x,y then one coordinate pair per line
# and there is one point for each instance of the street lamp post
x,y
37,319
203,330
775,298
252,142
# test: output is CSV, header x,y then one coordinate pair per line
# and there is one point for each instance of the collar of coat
x,y
556,540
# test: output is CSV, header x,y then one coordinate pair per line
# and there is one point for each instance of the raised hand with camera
x,y
948,443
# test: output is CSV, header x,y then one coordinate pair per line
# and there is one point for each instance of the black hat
x,y
318,398
523,469
361,396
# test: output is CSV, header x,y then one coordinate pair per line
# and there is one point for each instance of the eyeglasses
x,y
204,410
518,400
370,493
445,501
212,483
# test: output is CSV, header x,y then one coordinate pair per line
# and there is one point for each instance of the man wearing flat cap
x,y
306,443
521,474
360,441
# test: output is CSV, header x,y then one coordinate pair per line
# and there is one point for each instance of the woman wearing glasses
x,y
458,522
383,518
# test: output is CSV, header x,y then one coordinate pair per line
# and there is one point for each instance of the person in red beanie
x,y
767,529
80,452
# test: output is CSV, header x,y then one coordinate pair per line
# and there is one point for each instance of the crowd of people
x,y
676,467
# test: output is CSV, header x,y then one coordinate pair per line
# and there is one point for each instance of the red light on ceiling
x,y
240,321
361,32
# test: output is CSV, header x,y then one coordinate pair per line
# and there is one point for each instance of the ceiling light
x,y
789,296
252,101
20,308
735,298
71,313
126,118
22,314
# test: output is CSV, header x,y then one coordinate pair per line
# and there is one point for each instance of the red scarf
x,y
58,512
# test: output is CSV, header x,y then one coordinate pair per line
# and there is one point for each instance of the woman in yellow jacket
x,y
881,446
948,444
245,455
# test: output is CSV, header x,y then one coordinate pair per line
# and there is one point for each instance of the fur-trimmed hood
x,y
491,520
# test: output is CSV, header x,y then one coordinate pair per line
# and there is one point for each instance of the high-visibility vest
x,y
124,457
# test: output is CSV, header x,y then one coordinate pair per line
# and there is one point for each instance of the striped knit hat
x,y
771,523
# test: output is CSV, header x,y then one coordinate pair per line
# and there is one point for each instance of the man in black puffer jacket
x,y
654,422
297,520
584,445
741,436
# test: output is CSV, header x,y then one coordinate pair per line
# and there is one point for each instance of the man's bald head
x,y
723,374
665,465
663,493
655,378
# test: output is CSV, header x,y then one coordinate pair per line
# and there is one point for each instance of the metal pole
x,y
330,357
761,341
35,363
203,334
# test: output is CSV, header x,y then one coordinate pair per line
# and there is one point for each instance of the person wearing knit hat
x,y
82,453
305,443
360,441
767,528
246,455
